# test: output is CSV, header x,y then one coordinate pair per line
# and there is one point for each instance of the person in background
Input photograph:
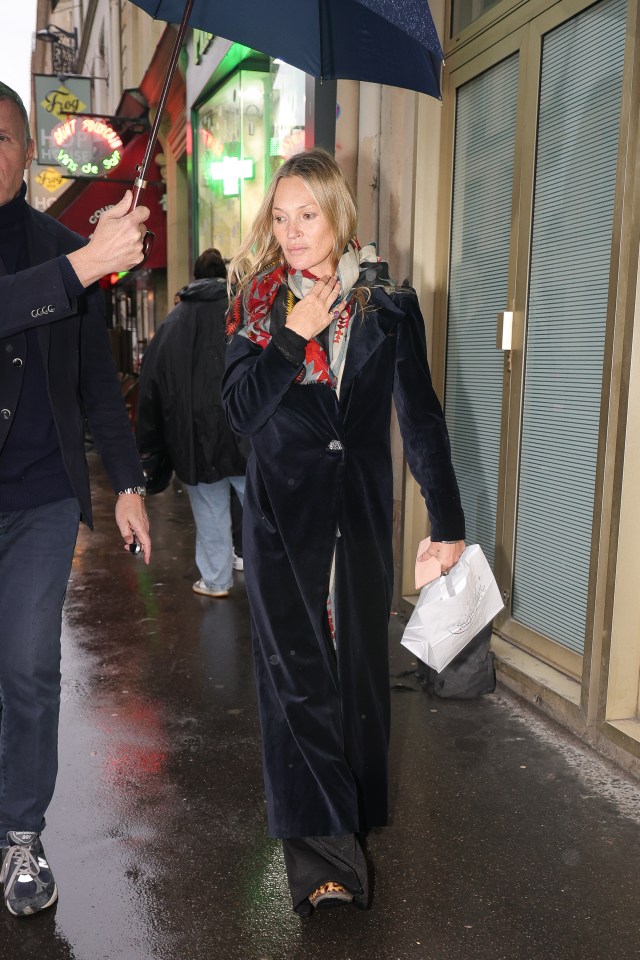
x,y
180,416
322,339
55,368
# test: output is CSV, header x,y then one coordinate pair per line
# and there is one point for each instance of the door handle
x,y
504,330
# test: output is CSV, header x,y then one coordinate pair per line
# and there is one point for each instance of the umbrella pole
x,y
140,182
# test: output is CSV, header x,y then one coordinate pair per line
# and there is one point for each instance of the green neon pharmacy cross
x,y
230,171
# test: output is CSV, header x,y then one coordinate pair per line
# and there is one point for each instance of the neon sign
x,y
87,146
230,171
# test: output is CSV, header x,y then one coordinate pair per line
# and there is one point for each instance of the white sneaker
x,y
238,562
28,881
201,587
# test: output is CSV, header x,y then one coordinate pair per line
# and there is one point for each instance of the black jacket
x,y
81,375
179,407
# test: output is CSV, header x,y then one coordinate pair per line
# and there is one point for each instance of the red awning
x,y
87,200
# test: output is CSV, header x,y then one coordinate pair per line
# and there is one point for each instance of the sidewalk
x,y
510,839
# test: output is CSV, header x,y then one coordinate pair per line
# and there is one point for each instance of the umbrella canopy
x,y
382,41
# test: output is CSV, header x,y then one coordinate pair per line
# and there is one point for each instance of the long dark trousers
x,y
36,550
312,861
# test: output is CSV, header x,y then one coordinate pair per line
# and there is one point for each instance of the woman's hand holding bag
x,y
452,609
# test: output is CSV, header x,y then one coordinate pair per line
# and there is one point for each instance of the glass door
x,y
485,135
534,155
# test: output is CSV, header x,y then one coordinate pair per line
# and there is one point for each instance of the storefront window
x,y
287,112
251,124
464,12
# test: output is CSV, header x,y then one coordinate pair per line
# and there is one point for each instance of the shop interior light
x,y
252,96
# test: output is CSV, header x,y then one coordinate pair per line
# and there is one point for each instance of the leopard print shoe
x,y
329,895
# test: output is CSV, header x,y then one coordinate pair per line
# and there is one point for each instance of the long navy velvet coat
x,y
324,711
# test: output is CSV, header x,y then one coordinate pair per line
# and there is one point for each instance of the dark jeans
x,y
36,550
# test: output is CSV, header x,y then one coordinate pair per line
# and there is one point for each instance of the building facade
x,y
516,196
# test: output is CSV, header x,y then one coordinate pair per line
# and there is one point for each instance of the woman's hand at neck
x,y
313,313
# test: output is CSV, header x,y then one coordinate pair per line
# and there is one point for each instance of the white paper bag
x,y
451,610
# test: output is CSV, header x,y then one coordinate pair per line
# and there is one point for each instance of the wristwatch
x,y
141,491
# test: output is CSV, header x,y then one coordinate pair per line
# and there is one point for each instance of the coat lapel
x,y
368,333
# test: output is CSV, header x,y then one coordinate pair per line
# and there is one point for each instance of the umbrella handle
x,y
147,247
139,186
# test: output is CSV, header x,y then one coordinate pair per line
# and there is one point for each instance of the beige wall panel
x,y
624,664
423,276
347,129
368,171
397,177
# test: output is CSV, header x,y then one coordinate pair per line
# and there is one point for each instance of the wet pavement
x,y
510,840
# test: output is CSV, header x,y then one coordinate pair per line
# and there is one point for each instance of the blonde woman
x,y
321,340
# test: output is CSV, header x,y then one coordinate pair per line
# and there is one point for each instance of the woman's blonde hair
x,y
325,181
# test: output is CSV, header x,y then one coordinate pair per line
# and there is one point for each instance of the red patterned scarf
x,y
251,315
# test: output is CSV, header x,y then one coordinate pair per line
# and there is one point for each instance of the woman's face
x,y
301,228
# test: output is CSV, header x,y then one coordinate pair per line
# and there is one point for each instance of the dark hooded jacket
x,y
319,482
179,407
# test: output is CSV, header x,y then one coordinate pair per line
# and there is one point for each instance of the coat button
x,y
17,361
335,445
9,347
5,414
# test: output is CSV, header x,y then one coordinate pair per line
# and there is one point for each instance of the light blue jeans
x,y
212,514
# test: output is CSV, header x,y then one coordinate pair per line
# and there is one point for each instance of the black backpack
x,y
469,675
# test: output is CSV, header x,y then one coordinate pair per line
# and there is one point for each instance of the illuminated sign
x,y
292,143
211,143
229,172
87,146
51,179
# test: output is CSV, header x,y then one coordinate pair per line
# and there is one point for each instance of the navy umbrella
x,y
381,41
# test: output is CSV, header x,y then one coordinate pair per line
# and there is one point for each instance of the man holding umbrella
x,y
55,367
